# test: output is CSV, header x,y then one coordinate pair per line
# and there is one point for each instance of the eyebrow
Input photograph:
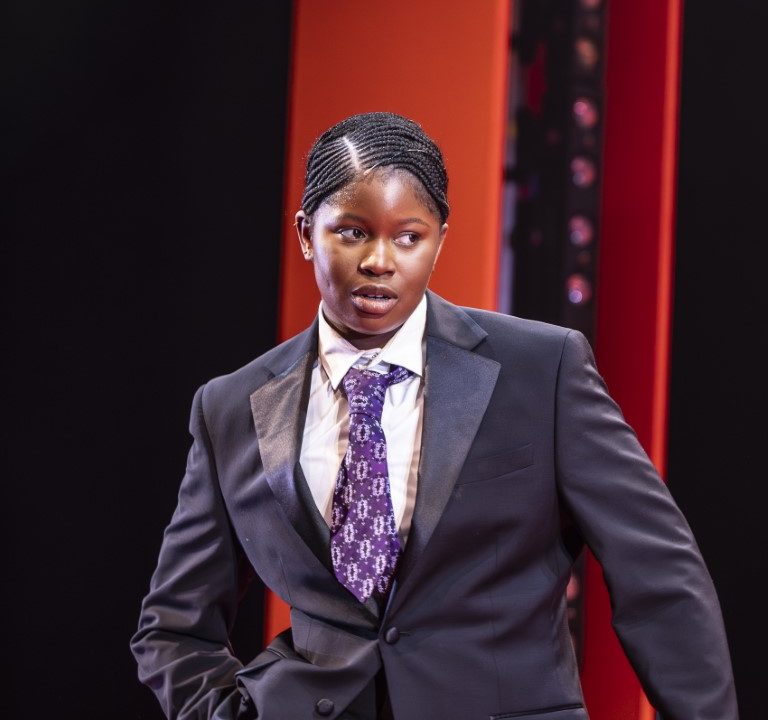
x,y
350,216
419,221
359,218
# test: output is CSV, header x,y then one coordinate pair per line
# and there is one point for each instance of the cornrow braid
x,y
363,142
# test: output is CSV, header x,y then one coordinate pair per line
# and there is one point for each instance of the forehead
x,y
387,187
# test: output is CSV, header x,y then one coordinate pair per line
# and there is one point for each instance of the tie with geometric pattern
x,y
364,544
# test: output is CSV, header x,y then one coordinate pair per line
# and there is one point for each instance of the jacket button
x,y
392,635
324,707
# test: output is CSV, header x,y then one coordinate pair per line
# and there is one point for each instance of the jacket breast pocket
x,y
495,466
560,712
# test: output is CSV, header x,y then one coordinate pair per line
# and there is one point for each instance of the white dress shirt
x,y
326,429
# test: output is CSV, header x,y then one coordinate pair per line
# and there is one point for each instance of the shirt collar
x,y
338,355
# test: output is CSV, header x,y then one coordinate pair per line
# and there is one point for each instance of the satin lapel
x,y
279,411
279,408
458,387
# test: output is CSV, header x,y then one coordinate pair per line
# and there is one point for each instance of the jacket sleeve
x,y
665,611
182,644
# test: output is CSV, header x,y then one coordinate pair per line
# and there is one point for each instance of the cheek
x,y
330,270
323,277
420,268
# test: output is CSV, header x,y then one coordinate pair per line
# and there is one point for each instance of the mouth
x,y
374,299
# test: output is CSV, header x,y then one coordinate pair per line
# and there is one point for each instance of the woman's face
x,y
373,245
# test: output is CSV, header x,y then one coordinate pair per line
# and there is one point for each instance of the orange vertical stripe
x,y
667,188
440,62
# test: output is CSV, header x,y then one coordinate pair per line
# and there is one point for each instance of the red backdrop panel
x,y
635,279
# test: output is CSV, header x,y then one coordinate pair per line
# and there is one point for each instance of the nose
x,y
378,258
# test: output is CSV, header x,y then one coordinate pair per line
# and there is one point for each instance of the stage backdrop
x,y
453,79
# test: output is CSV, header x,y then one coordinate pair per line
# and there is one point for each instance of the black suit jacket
x,y
522,447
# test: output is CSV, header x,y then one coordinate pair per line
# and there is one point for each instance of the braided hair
x,y
360,144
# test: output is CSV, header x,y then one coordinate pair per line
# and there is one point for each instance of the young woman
x,y
415,479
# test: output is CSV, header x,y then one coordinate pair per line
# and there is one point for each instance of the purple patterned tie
x,y
364,542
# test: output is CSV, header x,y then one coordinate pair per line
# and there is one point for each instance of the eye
x,y
351,233
407,239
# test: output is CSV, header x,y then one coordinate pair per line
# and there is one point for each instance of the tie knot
x,y
366,389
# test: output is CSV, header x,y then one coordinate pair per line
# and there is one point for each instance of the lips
x,y
374,299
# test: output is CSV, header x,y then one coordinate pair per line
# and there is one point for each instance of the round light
x,y
581,232
591,4
586,53
583,172
585,113
579,289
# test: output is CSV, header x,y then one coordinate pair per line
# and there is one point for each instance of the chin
x,y
373,330
370,332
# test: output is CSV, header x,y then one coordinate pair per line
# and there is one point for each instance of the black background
x,y
146,154
719,389
145,148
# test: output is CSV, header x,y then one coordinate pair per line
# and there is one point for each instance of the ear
x,y
441,240
304,231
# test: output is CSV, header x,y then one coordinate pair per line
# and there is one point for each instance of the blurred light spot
x,y
580,231
586,53
585,113
579,289
583,172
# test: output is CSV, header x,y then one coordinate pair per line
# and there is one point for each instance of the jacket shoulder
x,y
519,332
227,391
